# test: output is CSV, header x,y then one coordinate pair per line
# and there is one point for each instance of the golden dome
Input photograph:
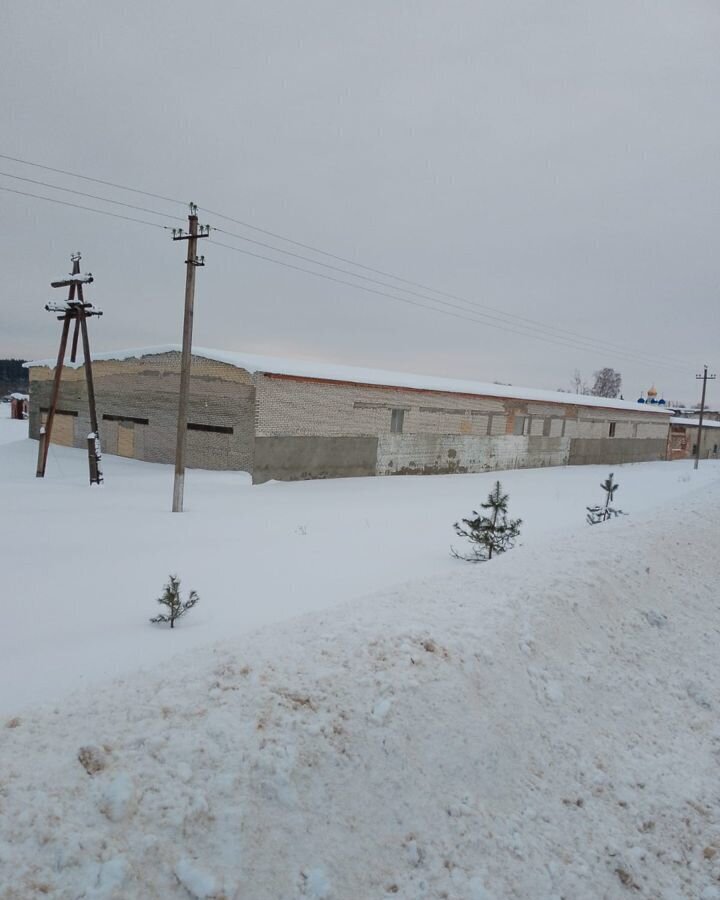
x,y
652,392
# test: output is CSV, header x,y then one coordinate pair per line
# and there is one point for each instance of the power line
x,y
56,187
595,345
468,318
511,318
122,187
530,327
102,212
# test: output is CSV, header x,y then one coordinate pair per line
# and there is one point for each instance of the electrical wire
x,y
56,187
468,318
589,343
511,318
102,212
491,316
122,187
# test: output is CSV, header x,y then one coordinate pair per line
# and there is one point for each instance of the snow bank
x,y
542,726
357,375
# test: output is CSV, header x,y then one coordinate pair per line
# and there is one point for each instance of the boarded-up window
x,y
521,425
547,425
63,429
397,418
126,439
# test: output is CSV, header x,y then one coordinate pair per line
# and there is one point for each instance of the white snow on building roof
x,y
357,375
707,423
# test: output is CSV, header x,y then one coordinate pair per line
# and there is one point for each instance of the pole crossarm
x,y
73,279
71,306
179,235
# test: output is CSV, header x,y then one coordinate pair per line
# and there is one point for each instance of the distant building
x,y
19,405
710,415
683,436
284,419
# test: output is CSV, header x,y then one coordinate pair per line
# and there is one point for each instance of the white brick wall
x,y
304,407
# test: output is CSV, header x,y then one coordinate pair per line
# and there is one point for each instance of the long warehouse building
x,y
285,419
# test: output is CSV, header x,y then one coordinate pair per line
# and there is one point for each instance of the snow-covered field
x,y
82,565
544,726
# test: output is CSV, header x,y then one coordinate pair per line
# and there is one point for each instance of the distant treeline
x,y
12,376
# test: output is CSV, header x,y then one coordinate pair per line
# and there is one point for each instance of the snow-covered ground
x,y
82,565
543,726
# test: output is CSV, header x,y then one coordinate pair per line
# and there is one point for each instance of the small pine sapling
x,y
172,600
597,514
490,534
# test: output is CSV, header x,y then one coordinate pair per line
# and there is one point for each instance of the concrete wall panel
x,y
612,451
406,454
295,458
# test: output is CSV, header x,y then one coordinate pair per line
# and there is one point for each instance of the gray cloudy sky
x,y
553,160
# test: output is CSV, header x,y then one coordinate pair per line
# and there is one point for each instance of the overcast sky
x,y
553,160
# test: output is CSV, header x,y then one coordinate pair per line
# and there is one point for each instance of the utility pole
x,y
76,309
705,378
192,262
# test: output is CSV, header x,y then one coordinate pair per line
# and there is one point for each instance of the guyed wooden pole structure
x,y
79,310
705,378
192,262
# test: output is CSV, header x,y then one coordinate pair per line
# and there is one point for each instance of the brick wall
x,y
452,432
137,409
416,431
306,407
683,438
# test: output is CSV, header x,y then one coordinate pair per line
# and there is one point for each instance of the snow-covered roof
x,y
381,377
707,423
16,396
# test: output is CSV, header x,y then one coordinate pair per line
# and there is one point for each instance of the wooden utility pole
x,y
705,377
76,309
192,262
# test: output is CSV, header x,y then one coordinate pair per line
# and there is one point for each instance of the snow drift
x,y
543,726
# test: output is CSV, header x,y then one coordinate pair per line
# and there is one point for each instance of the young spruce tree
x,y
597,514
490,534
175,606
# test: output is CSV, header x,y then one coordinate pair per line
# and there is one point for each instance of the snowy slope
x,y
544,726
82,566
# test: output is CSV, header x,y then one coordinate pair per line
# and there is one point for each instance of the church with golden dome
x,y
651,397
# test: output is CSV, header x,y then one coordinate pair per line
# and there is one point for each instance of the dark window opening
x,y
108,417
547,425
694,449
612,429
218,429
397,418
